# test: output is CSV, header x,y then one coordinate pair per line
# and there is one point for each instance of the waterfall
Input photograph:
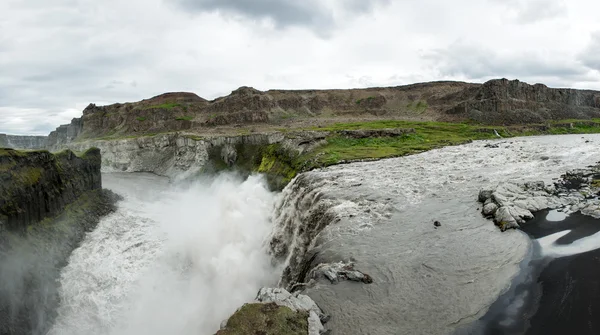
x,y
171,260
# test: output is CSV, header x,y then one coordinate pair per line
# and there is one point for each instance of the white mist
x,y
172,260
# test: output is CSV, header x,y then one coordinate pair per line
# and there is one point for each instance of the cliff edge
x,y
37,184
47,204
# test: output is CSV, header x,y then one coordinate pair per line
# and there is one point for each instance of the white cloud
x,y
56,56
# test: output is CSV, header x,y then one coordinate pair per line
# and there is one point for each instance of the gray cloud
x,y
591,55
57,56
479,63
284,13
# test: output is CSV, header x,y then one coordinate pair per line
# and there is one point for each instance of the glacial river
x,y
180,259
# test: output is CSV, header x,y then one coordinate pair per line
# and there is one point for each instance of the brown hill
x,y
495,102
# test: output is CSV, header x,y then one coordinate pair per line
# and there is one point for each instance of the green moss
x,y
266,319
11,152
140,118
28,176
278,164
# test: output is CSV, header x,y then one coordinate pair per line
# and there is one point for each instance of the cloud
x,y
480,63
591,54
32,121
57,56
533,11
314,14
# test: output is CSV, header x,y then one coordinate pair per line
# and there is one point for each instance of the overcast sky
x,y
57,56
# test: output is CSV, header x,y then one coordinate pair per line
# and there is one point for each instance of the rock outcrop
x,y
513,102
276,312
511,204
64,134
47,204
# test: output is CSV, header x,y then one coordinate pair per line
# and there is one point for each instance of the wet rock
x,y
337,272
511,204
484,195
489,209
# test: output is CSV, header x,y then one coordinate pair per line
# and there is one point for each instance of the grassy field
x,y
427,136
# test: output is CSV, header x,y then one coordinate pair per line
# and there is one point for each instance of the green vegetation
x,y
184,118
368,99
278,164
28,176
266,319
140,118
418,106
165,106
427,136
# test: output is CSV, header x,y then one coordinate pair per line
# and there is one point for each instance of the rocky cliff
x,y
23,142
497,102
35,185
178,155
47,204
514,102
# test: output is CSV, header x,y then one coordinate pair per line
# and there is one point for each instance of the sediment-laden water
x,y
426,279
179,260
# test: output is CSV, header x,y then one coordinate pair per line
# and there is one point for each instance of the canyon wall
x,y
35,185
47,204
496,102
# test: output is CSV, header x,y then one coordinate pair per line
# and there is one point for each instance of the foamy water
x,y
550,248
171,260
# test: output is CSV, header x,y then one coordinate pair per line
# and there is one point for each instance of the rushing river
x,y
171,260
180,259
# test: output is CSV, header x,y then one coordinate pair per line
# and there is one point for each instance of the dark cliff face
x,y
36,185
47,204
514,102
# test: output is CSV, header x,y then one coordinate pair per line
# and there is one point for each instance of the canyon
x,y
349,242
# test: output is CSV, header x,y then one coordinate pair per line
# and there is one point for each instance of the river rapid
x,y
179,259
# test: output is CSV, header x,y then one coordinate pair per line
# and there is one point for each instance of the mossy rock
x,y
266,319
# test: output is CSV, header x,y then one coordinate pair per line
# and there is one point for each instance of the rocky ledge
x,y
511,204
276,312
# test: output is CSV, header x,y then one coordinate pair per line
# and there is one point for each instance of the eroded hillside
x,y
497,102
